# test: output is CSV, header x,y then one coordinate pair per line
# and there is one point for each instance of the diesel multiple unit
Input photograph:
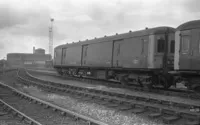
x,y
145,57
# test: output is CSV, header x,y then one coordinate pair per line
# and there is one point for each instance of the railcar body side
x,y
187,53
71,56
141,56
57,57
97,54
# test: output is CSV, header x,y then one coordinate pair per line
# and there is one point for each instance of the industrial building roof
x,y
29,56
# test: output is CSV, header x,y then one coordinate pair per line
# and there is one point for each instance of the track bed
x,y
163,106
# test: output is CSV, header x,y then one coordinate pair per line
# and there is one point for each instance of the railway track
x,y
171,92
6,71
10,115
167,110
42,113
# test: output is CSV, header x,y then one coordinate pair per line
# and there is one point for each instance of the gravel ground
x,y
39,113
8,119
118,90
93,110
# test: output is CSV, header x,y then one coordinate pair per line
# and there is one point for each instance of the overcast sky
x,y
25,23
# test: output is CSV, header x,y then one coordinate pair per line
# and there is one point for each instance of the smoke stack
x,y
33,50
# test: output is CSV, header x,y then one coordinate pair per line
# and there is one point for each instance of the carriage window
x,y
118,50
172,46
199,43
161,46
142,45
199,46
185,44
85,51
64,52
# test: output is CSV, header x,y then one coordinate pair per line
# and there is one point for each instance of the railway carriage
x,y
141,57
187,53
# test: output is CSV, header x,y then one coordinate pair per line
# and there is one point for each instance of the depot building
x,y
36,59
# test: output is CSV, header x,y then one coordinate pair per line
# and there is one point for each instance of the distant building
x,y
38,59
3,63
39,51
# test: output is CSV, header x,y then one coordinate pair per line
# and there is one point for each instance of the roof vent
x,y
105,36
95,38
146,28
130,31
116,33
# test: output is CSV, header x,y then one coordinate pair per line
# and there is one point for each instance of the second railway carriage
x,y
143,57
187,53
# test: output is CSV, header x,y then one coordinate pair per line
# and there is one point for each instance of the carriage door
x,y
195,49
64,52
144,53
84,55
185,52
117,62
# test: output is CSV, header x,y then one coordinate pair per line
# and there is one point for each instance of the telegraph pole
x,y
51,38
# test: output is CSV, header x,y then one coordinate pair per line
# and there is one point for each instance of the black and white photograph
x,y
99,62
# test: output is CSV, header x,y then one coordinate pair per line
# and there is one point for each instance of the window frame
x,y
199,43
85,53
142,51
64,52
118,49
163,47
170,50
183,51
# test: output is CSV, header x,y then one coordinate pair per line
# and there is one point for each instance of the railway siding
x,y
135,104
63,111
116,87
10,115
171,100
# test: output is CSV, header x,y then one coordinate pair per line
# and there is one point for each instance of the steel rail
x,y
63,110
107,95
32,121
96,90
174,92
177,113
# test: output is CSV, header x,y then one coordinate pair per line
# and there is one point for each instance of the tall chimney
x,y
33,50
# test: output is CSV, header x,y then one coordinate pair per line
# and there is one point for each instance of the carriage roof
x,y
157,30
189,25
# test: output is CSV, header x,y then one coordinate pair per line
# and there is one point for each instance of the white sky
x,y
24,23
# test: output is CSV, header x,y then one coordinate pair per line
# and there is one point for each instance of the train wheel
x,y
60,73
196,87
164,81
149,85
123,80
